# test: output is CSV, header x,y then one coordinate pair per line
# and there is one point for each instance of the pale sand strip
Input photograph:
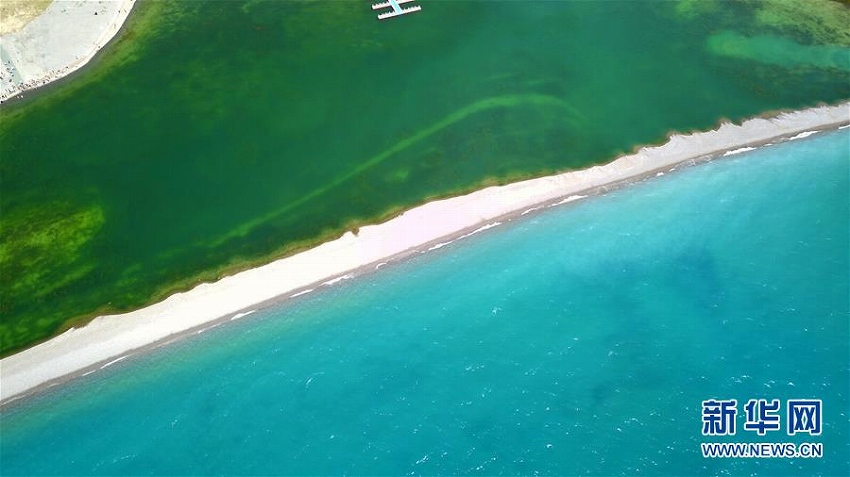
x,y
59,41
108,338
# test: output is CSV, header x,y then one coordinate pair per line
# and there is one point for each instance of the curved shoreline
x,y
111,338
63,39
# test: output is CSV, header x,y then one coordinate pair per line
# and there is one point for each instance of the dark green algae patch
x,y
214,136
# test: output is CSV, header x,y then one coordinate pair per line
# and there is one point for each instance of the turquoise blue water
x,y
580,340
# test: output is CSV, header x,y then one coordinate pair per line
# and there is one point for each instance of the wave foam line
x,y
114,361
569,199
439,245
480,229
802,135
336,280
242,315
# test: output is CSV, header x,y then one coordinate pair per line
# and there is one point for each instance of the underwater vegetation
x,y
44,248
779,51
822,22
817,21
772,25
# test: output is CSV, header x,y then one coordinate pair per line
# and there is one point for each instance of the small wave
x,y
531,210
481,229
439,245
571,198
241,315
207,328
302,292
337,280
114,361
738,151
802,135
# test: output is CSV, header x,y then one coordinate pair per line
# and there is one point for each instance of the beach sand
x,y
58,42
110,338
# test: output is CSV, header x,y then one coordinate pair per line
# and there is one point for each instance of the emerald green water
x,y
215,135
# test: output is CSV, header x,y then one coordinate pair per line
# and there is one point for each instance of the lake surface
x,y
213,136
579,340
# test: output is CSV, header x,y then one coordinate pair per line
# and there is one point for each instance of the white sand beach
x,y
65,37
430,226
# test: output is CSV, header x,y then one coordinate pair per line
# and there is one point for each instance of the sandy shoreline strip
x,y
108,339
66,36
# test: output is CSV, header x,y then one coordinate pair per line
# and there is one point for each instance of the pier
x,y
397,9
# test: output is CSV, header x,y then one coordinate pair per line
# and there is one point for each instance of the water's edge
x,y
110,338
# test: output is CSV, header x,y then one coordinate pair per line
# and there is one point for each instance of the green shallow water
x,y
215,135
